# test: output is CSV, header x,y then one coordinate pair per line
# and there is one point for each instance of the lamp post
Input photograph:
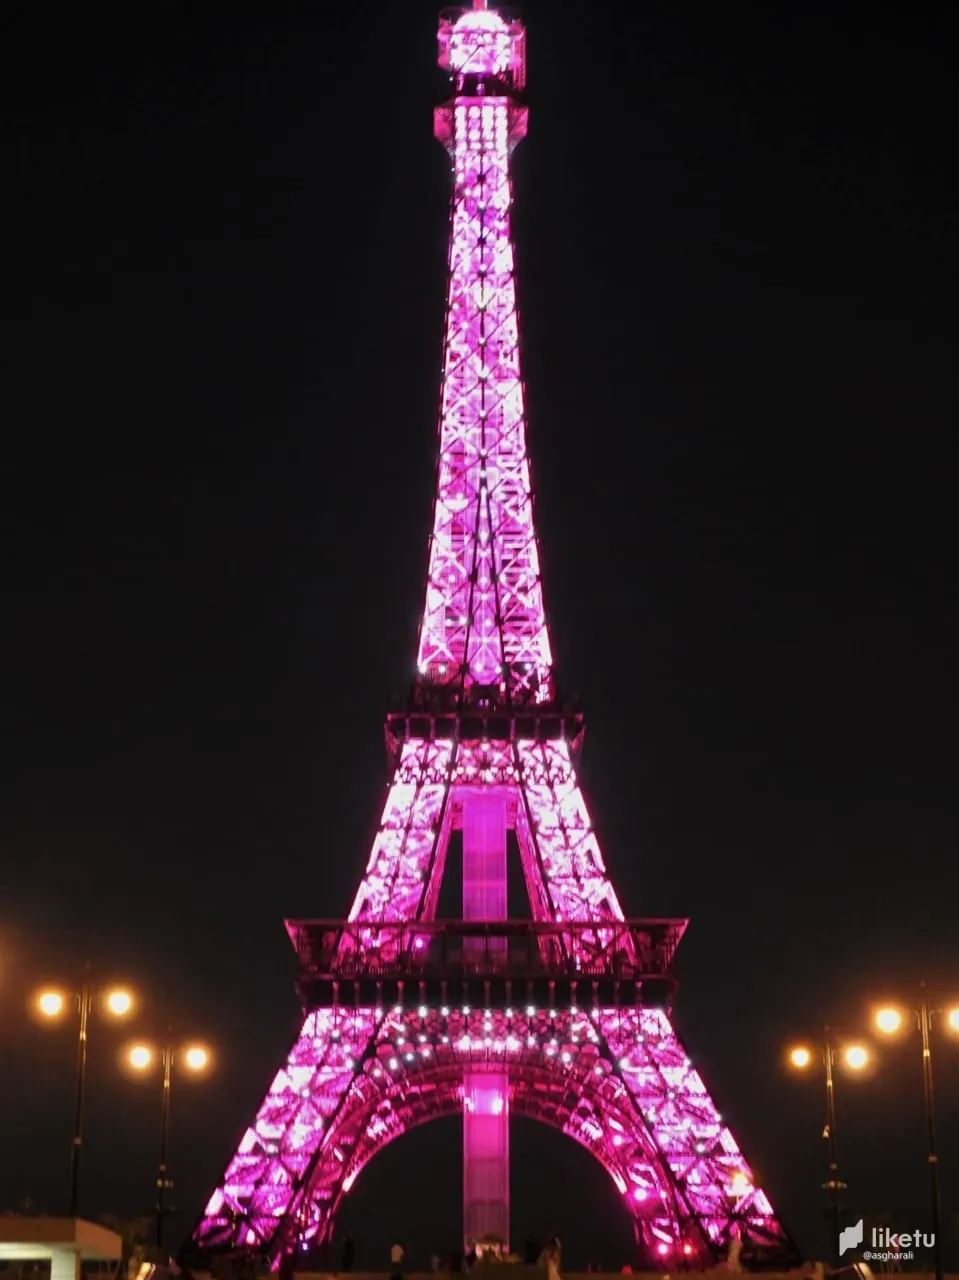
x,y
53,1004
194,1059
855,1057
891,1021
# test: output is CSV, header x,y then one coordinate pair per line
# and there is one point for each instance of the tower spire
x,y
484,626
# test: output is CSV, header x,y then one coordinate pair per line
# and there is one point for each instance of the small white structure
x,y
67,1242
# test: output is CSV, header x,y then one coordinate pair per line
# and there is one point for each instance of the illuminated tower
x,y
562,1015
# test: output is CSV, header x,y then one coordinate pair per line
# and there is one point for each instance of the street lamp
x,y
855,1058
893,1020
52,1004
195,1059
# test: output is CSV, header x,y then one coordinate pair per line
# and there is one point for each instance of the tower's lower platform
x,y
616,1079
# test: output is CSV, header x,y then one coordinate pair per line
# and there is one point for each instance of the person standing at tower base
x,y
397,1255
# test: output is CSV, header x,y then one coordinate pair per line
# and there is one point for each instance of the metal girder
x,y
618,1082
565,874
512,949
484,623
484,714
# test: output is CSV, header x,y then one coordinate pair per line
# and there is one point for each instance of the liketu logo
x,y
885,1244
850,1237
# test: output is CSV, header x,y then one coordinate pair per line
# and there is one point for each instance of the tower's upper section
x,y
484,638
479,42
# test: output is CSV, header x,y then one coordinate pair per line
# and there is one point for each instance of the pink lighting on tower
x,y
486,1115
484,622
562,1017
328,1113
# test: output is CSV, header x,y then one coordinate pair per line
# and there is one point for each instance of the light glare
x,y
50,1003
888,1020
856,1057
800,1057
140,1057
196,1058
119,1002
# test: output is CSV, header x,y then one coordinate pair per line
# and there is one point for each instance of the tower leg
x,y
485,1093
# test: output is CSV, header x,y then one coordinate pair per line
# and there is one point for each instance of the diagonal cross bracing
x,y
485,746
563,866
484,622
618,1081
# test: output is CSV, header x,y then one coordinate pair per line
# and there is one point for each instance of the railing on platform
x,y
520,724
510,949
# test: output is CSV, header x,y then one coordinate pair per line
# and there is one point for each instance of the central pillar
x,y
485,1093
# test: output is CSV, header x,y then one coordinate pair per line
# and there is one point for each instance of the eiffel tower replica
x,y
562,1016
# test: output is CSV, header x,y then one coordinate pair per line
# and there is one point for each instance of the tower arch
x,y
537,1092
615,1080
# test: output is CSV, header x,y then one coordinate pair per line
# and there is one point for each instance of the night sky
x,y
224,241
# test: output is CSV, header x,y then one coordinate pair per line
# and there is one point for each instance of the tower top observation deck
x,y
483,42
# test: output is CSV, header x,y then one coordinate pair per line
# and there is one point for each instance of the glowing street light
x,y
893,1020
140,1057
888,1020
855,1057
119,1003
52,1005
195,1059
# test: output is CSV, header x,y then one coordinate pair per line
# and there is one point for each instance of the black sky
x,y
224,245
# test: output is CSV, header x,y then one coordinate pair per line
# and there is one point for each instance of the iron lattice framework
x,y
563,1017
